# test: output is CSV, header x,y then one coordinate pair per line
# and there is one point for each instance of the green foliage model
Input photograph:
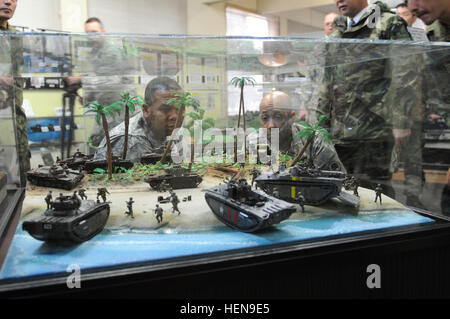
x,y
310,132
101,112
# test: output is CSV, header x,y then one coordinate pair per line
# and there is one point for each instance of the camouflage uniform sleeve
x,y
404,95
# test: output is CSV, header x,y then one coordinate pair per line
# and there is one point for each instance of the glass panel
x,y
386,104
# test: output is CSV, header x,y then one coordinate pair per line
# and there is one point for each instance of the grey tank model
x,y
238,206
176,177
55,176
77,161
91,165
68,220
316,186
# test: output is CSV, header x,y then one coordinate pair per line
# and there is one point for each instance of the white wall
x,y
140,16
119,16
34,14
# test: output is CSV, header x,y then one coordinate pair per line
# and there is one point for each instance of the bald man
x,y
328,23
276,112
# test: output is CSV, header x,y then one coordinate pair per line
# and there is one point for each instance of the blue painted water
x,y
112,247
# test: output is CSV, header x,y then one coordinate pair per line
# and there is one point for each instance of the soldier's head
x,y
430,10
350,8
274,112
7,9
328,23
406,14
94,25
160,116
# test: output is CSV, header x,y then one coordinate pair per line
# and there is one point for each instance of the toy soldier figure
x,y
174,200
275,193
255,173
81,193
164,186
159,213
130,207
355,184
102,192
300,199
378,191
75,197
48,199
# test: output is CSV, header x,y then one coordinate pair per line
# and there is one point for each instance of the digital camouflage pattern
x,y
15,96
141,140
364,101
325,156
437,75
107,78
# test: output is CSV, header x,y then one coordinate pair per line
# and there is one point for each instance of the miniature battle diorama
x,y
189,148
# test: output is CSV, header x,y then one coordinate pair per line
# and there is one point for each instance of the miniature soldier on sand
x,y
276,193
300,199
355,184
48,199
174,200
378,191
159,213
102,192
164,186
130,207
75,197
255,173
81,193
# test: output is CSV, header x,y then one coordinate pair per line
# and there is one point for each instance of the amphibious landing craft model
x,y
316,186
238,206
69,219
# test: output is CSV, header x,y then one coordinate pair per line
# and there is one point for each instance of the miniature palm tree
x,y
310,132
180,102
129,103
101,113
197,115
241,82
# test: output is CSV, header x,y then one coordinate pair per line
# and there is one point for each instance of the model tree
x,y
129,103
241,82
207,123
181,101
101,113
310,132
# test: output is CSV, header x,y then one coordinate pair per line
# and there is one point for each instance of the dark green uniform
x,y
365,95
15,95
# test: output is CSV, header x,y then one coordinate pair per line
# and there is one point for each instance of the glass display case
x,y
373,171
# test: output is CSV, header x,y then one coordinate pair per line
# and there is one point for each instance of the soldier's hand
x,y
401,137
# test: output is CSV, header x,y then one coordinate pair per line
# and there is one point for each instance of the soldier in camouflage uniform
x,y
104,77
275,112
150,128
369,99
14,88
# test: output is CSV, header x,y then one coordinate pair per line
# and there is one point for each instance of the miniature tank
x,y
316,186
91,165
155,156
54,176
238,206
77,161
176,177
69,220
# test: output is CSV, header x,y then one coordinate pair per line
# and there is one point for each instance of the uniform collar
x,y
358,17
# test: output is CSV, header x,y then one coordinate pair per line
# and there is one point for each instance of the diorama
x,y
188,197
